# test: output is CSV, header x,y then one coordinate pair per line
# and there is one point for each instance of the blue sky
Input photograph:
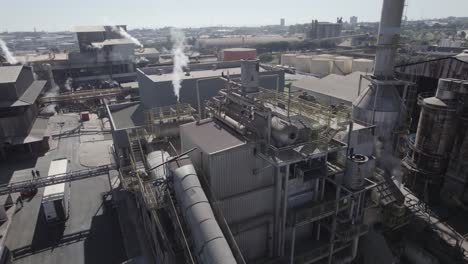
x,y
64,14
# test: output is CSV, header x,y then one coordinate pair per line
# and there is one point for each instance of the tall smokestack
x,y
380,104
389,35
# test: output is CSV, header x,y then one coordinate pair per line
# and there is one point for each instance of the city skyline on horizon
x,y
206,13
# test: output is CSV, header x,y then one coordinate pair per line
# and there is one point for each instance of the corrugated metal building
x,y
156,82
241,183
331,90
19,124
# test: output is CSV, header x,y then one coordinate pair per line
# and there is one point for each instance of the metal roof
x,y
9,74
28,97
195,74
33,91
209,136
342,87
82,29
111,42
127,116
450,67
36,133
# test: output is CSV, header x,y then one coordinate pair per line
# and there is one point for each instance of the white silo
x,y
320,66
288,60
303,63
363,65
342,65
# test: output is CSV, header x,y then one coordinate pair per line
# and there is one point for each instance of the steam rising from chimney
x,y
179,58
126,35
8,55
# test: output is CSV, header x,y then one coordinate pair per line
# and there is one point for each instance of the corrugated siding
x,y
249,205
253,243
232,172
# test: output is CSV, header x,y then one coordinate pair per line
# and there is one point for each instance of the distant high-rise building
x,y
319,30
283,22
353,20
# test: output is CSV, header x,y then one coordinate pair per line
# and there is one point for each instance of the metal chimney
x,y
389,35
380,104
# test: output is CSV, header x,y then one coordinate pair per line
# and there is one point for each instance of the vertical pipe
x,y
285,207
277,210
198,100
360,83
334,223
293,242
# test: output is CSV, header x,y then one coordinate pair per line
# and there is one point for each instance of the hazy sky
x,y
64,14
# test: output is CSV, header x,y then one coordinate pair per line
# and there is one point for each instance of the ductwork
x,y
210,244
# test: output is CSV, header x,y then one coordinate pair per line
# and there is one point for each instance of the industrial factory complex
x,y
223,146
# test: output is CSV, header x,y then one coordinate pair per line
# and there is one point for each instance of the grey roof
x,y
9,74
209,136
111,42
127,116
196,74
89,29
33,91
29,96
338,86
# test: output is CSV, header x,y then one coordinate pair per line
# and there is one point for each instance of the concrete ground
x,y
91,234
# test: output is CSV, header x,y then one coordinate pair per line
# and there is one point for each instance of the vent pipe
x,y
389,35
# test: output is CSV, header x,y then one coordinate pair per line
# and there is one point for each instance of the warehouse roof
x,y
89,29
196,74
209,136
9,74
334,85
28,97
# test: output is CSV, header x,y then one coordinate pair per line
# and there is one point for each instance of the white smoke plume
x,y
179,58
8,55
68,84
126,35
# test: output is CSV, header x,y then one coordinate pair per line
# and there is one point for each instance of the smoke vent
x,y
250,75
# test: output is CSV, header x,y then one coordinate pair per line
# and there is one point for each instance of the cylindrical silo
x,y
320,66
155,159
362,65
342,65
358,168
303,63
288,60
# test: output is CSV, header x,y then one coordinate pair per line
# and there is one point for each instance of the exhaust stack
x,y
389,35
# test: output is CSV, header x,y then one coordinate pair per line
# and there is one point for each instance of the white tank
x,y
320,66
154,159
342,65
288,60
303,63
363,65
328,56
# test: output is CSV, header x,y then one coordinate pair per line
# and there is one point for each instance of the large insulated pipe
x,y
389,34
210,244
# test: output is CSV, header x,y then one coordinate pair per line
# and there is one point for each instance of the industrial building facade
x,y
19,107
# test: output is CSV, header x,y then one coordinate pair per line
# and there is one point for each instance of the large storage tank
x,y
288,60
303,63
342,65
236,54
362,65
320,66
328,56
